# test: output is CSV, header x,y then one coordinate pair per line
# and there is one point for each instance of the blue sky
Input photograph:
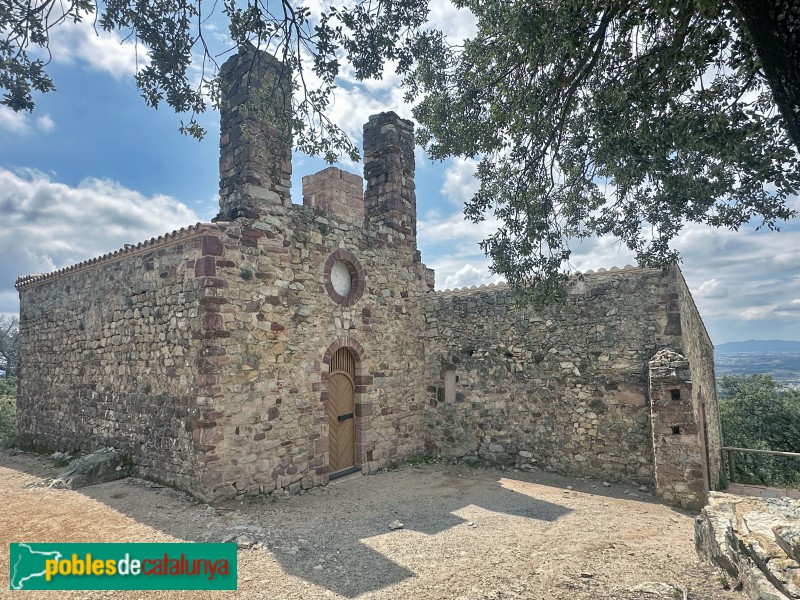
x,y
93,168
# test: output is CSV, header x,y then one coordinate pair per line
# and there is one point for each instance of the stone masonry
x,y
205,354
256,107
336,192
566,388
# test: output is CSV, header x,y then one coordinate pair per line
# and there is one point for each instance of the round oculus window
x,y
344,277
341,278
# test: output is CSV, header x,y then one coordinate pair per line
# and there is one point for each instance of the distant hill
x,y
758,346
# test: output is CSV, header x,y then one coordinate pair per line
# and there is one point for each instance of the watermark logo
x,y
178,566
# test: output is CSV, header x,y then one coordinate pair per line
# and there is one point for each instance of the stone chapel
x,y
284,344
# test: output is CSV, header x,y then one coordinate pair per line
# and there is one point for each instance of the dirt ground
x,y
469,534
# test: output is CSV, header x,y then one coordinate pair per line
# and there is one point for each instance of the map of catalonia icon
x,y
27,565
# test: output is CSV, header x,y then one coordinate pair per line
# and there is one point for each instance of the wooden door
x,y
341,408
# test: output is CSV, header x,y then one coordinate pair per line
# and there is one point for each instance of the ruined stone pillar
x,y
390,200
255,162
677,442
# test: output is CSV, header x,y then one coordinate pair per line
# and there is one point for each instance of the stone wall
x,y
206,354
207,358
699,351
109,353
390,201
336,192
255,162
563,388
595,385
277,319
684,410
276,330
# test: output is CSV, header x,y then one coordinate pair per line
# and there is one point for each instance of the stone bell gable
x,y
284,344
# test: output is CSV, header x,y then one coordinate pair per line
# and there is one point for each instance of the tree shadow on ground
x,y
340,559
328,536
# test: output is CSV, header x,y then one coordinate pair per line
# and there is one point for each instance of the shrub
x,y
8,412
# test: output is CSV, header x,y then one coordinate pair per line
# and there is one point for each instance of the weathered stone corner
x,y
678,446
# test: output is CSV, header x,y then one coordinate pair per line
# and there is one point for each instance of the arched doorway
x,y
341,410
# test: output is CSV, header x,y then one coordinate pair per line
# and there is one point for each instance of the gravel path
x,y
468,534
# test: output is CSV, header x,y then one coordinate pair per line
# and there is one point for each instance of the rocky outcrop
x,y
755,540
788,538
104,465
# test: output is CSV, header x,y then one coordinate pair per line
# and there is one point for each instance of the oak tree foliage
x,y
757,413
179,59
628,119
588,118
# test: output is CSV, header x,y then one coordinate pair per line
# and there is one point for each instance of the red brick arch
x,y
348,342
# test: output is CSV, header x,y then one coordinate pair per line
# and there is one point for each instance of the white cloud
x,y
454,228
711,288
593,253
790,309
101,50
755,313
449,245
49,225
458,23
460,184
22,124
45,123
354,101
374,96
15,122
221,36
468,275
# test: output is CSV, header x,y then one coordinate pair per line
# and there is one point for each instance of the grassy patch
x,y
421,459
8,387
477,462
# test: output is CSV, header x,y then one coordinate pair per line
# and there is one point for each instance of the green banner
x,y
177,566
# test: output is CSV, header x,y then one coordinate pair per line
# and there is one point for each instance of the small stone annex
x,y
284,344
